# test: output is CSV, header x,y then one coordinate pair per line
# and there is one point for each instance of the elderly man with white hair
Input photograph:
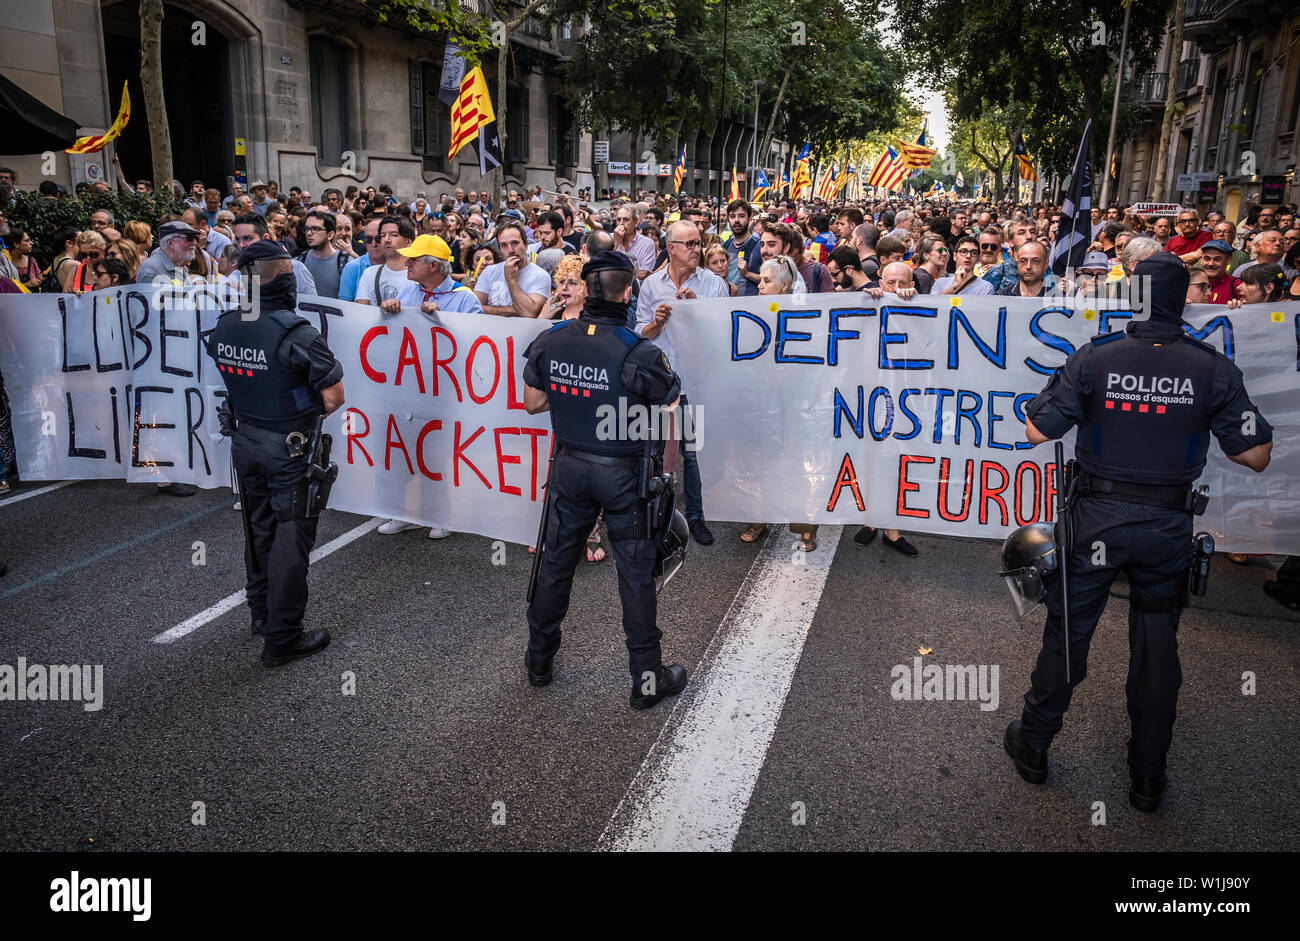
x,y
177,243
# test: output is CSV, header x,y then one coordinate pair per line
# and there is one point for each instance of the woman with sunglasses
x,y
933,265
111,272
90,249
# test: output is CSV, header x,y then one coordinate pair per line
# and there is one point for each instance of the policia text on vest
x,y
281,379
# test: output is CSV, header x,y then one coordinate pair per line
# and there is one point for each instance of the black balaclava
x,y
1167,278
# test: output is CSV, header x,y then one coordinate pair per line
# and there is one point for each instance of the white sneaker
x,y
436,533
396,526
238,505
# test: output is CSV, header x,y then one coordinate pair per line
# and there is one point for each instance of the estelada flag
x,y
680,172
735,183
472,110
95,142
801,178
1026,168
761,186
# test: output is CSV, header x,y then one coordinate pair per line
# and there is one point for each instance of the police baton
x,y
541,528
1064,544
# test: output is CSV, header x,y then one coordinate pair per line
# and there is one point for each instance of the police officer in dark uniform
x,y
1145,402
573,369
279,375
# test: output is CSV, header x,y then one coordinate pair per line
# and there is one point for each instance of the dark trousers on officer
x,y
1152,547
581,489
282,542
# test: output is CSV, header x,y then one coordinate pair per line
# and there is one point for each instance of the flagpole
x,y
1114,108
722,106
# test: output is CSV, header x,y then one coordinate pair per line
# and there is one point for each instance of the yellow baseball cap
x,y
427,245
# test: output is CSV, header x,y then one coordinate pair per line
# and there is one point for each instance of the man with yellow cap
x,y
431,287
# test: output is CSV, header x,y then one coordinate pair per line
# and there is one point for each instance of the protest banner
x,y
821,408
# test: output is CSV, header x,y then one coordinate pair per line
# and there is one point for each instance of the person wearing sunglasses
x,y
933,253
177,244
990,249
374,254
110,272
964,279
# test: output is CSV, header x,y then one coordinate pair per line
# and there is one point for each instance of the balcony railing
x,y
1150,88
1189,71
1198,10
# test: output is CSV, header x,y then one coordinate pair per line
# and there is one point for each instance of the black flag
x,y
489,148
1075,232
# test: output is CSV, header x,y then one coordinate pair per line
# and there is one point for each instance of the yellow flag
x,y
95,142
472,110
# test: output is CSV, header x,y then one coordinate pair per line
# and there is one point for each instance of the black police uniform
x,y
1145,402
274,368
581,365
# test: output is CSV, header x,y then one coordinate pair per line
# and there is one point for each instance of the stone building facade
x,y
1236,112
318,93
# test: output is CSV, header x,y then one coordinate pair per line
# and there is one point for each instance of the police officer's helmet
x,y
1029,561
670,548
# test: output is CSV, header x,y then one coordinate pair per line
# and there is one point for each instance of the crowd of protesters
x,y
521,257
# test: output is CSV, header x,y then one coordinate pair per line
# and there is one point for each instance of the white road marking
x,y
28,494
233,601
694,785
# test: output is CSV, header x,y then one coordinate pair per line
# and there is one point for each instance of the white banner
x,y
111,384
841,409
825,408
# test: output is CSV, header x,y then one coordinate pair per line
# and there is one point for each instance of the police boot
x,y
1144,793
308,643
257,626
541,673
670,681
1031,763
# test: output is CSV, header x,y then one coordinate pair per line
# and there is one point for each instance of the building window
x,y
331,114
1250,104
430,118
517,123
562,136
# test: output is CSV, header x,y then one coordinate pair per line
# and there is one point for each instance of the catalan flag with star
x,y
888,172
1023,164
472,110
802,179
761,186
680,172
95,142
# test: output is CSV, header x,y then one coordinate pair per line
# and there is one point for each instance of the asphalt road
x,y
443,745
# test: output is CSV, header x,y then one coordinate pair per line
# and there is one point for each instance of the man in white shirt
x,y
681,279
514,287
632,243
385,282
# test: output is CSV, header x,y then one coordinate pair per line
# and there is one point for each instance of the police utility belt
x,y
612,460
1169,497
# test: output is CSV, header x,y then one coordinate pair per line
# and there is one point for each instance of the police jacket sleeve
x,y
1063,402
1234,419
533,371
646,373
304,348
